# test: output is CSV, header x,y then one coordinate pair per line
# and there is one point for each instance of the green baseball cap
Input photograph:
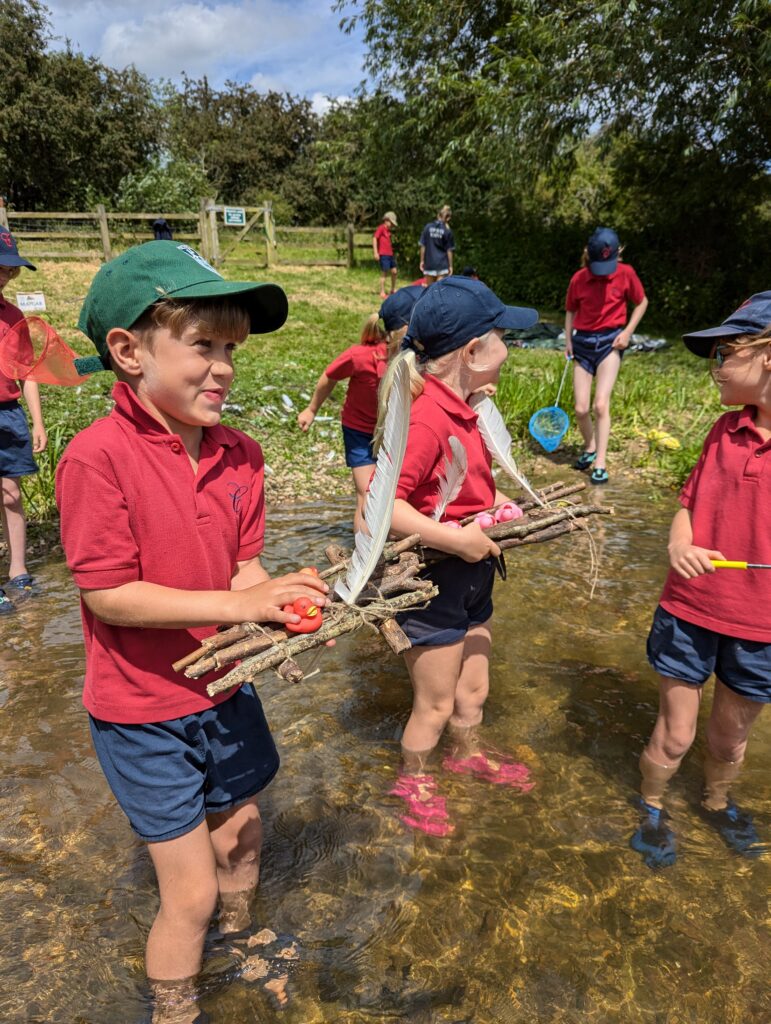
x,y
128,285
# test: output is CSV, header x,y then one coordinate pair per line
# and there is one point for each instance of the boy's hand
x,y
474,544
621,341
305,418
690,561
486,389
264,602
39,439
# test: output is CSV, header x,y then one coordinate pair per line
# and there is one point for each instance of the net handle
x,y
564,374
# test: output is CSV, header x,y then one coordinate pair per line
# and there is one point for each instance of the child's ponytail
x,y
372,333
416,387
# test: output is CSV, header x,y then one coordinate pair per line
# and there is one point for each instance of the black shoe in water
x,y
6,605
737,830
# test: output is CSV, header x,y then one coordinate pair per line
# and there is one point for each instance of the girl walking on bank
x,y
597,332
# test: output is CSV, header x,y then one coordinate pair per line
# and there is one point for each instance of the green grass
x,y
668,389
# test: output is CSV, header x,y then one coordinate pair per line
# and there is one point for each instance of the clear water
x,y
535,910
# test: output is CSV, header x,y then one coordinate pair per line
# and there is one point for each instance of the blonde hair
x,y
223,318
747,340
372,333
394,340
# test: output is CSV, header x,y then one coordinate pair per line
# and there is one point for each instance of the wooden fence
x,y
99,235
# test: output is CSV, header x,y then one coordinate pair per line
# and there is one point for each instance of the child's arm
x,y
422,259
256,598
569,314
470,543
375,253
32,397
322,391
623,339
686,558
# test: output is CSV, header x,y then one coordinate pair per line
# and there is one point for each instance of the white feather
x,y
455,470
498,439
379,505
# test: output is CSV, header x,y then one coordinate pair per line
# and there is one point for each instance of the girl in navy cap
x,y
454,348
16,445
713,617
364,364
597,332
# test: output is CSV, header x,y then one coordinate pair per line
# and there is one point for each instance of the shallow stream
x,y
534,911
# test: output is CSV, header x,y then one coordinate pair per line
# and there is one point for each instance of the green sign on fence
x,y
234,216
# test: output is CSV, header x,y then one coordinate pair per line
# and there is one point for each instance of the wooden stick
x,y
345,621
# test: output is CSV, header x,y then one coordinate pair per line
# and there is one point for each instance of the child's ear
x,y
124,350
767,357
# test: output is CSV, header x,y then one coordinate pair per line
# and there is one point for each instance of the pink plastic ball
x,y
485,520
507,512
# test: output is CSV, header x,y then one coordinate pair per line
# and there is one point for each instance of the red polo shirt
x,y
132,509
599,303
383,240
365,365
729,498
9,315
437,414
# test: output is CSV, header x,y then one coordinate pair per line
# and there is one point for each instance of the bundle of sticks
x,y
395,587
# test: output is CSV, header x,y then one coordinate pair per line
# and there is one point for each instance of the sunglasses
x,y
722,352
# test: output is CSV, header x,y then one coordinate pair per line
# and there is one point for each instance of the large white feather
x,y
379,505
455,470
498,439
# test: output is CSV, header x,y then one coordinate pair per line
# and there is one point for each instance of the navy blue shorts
x,y
15,442
387,262
358,448
680,650
464,600
589,348
167,776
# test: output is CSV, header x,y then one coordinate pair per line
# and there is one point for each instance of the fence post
x,y
214,240
351,251
104,231
3,214
203,230
270,233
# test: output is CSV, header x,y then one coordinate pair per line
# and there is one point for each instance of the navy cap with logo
x,y
396,310
456,309
603,252
9,254
752,317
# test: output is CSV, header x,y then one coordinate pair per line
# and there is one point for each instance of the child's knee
x,y
192,906
439,709
11,494
601,407
582,408
677,739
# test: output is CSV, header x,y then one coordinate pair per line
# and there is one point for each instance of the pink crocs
x,y
425,811
499,771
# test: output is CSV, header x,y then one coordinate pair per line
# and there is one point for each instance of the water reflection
x,y
534,911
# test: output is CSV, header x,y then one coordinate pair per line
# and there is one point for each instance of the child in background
x,y
437,247
716,619
597,332
162,521
454,347
383,251
16,445
365,365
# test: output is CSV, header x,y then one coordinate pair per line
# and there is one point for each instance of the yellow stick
x,y
721,563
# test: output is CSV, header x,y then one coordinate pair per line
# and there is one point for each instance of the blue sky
x,y
273,44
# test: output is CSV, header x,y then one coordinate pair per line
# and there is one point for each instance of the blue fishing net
x,y
548,426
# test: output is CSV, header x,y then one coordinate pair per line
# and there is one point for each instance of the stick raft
x,y
395,587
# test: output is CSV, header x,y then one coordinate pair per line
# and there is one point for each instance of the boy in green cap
x,y
162,520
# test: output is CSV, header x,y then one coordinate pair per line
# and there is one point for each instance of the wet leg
x,y
14,526
236,837
361,478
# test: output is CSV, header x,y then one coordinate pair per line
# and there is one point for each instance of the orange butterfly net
x,y
32,350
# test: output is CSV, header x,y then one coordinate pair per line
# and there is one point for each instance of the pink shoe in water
x,y
425,811
498,770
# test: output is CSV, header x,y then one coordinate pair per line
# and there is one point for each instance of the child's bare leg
x,y
393,279
236,836
434,672
14,526
471,691
673,734
607,372
582,393
728,730
382,283
361,478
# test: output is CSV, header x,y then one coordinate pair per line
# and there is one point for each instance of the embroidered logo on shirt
x,y
237,492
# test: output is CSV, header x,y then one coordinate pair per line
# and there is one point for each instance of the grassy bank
x,y
666,390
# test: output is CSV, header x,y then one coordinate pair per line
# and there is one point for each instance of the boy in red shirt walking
x,y
383,251
716,619
162,519
597,332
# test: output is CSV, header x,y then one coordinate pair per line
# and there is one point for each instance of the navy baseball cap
x,y
397,308
456,309
752,317
9,254
603,252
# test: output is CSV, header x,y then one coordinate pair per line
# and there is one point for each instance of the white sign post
x,y
31,302
234,216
